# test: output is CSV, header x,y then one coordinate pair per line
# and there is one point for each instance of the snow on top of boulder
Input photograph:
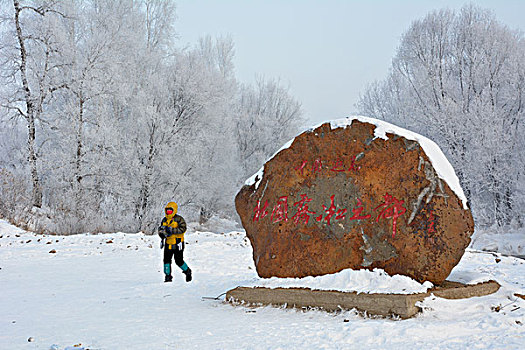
x,y
257,177
440,163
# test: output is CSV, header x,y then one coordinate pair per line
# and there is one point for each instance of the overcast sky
x,y
326,51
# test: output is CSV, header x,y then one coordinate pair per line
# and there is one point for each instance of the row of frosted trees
x,y
104,118
458,77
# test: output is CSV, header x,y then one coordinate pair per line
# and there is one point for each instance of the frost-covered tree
x,y
83,131
121,120
268,116
212,149
458,77
29,70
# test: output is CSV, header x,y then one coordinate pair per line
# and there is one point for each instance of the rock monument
x,y
356,193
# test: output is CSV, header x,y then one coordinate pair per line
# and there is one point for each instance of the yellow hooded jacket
x,y
175,226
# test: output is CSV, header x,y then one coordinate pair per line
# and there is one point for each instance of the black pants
x,y
174,252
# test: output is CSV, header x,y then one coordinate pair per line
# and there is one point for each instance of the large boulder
x,y
356,193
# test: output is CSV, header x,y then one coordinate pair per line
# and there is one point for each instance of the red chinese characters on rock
x,y
353,166
391,208
318,166
431,223
280,211
260,213
338,166
357,212
331,211
303,214
301,167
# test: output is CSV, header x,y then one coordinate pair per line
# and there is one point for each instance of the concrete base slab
x,y
402,305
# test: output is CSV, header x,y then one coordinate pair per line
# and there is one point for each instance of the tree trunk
x,y
36,198
146,183
77,185
204,216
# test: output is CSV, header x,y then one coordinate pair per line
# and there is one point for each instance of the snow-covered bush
x,y
14,196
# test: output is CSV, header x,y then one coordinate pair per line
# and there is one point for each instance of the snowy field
x,y
107,292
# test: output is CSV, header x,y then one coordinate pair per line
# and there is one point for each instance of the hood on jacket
x,y
171,205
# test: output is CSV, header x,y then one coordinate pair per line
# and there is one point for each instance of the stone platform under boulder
x,y
356,193
401,305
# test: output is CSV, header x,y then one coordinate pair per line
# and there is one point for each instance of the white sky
x,y
326,51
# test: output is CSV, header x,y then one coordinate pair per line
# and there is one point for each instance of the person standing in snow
x,y
171,231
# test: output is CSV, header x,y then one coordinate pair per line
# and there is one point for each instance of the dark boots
x,y
185,270
188,274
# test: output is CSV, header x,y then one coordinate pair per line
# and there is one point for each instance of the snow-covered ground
x,y
511,242
106,292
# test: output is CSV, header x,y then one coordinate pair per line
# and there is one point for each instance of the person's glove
x,y
162,232
162,243
169,231
179,245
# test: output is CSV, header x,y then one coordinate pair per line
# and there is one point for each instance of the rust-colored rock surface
x,y
341,197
